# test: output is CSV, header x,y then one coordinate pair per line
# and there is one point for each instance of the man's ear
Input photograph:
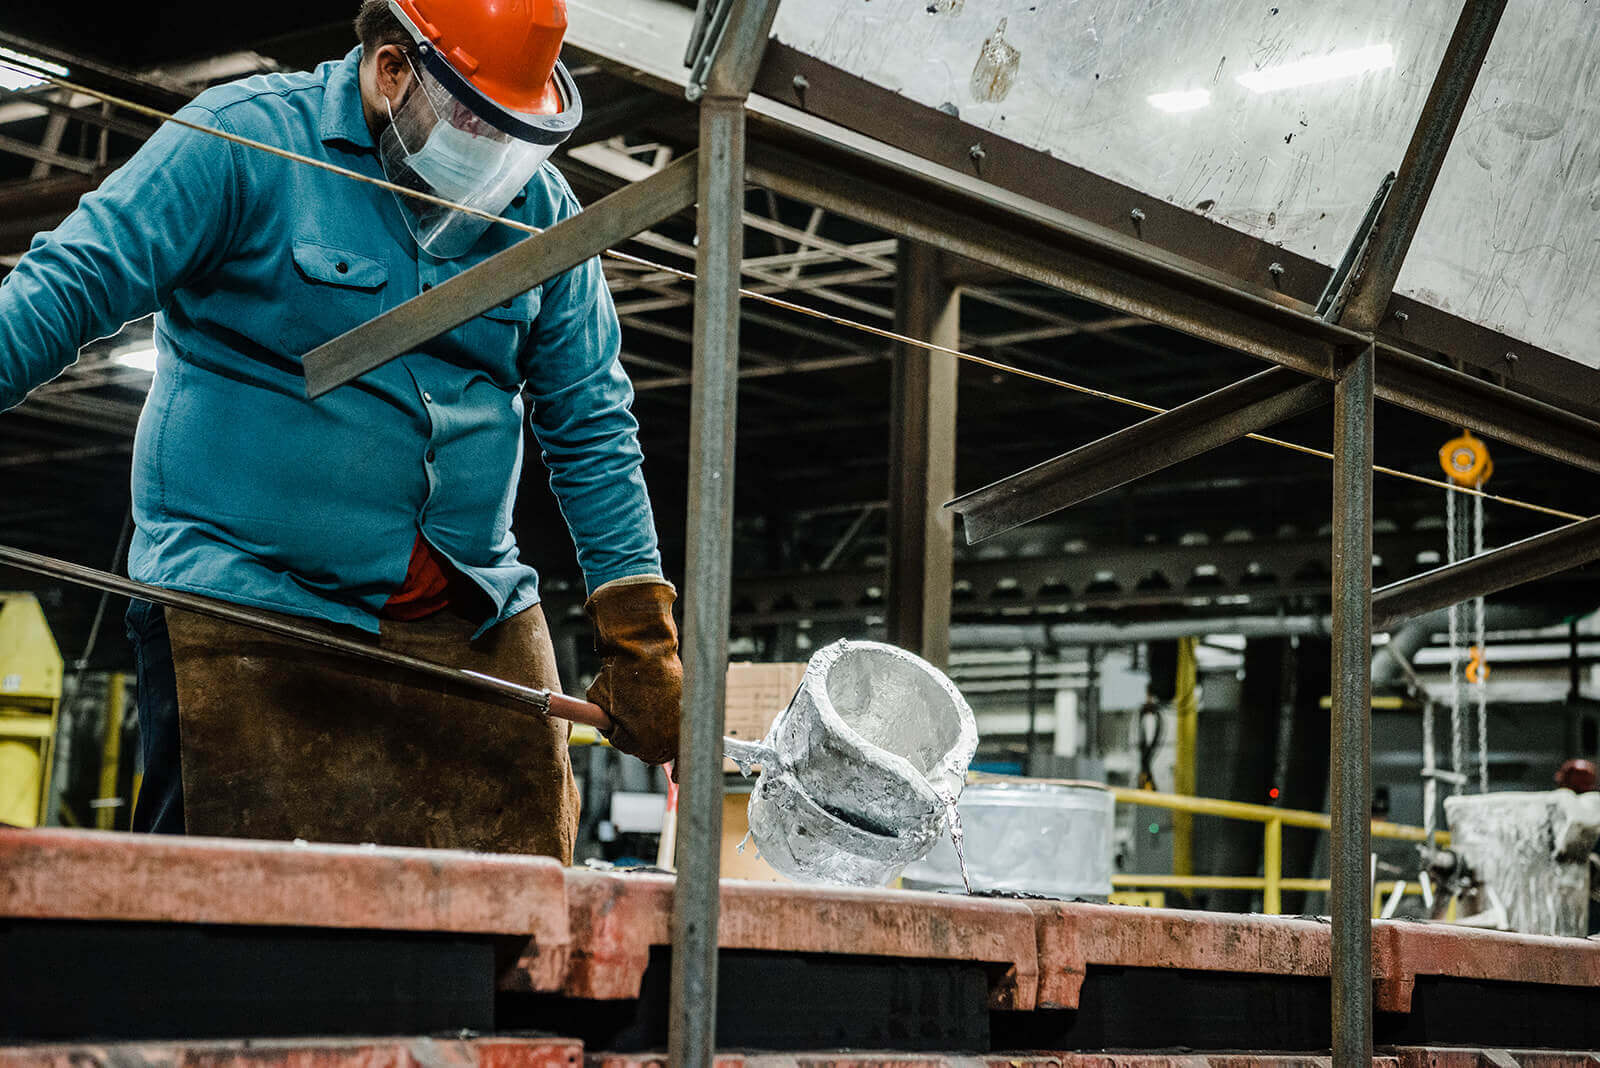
x,y
391,72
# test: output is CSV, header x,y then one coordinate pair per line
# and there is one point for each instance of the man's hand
x,y
641,679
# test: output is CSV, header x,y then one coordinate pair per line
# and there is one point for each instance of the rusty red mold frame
x,y
589,934
1453,1057
616,919
1021,1060
88,875
307,1053
1402,951
1074,936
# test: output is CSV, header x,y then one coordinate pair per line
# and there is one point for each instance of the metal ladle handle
x,y
546,702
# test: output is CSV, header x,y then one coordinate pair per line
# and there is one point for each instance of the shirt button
x,y
427,398
342,267
430,456
427,286
519,200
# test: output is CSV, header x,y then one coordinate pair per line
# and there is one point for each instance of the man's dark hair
x,y
376,26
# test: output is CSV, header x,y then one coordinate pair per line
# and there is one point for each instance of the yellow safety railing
x,y
1271,882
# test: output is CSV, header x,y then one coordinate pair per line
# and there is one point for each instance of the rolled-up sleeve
x,y
583,420
154,223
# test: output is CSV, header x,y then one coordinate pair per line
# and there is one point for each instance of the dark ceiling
x,y
812,466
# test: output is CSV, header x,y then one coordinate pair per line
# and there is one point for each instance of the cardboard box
x,y
735,825
756,694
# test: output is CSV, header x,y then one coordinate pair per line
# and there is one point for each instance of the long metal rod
x,y
708,568
1419,169
1142,449
1351,757
501,277
545,702
1528,560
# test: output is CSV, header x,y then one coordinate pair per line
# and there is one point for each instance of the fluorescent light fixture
x,y
1180,100
11,78
140,359
1319,69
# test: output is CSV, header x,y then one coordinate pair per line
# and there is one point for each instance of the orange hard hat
x,y
505,49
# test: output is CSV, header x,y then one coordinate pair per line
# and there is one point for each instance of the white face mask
x,y
456,163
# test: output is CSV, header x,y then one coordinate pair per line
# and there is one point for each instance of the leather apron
x,y
282,740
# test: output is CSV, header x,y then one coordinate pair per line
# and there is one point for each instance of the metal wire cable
x,y
764,298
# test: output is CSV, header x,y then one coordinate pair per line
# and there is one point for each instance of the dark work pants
x,y
160,805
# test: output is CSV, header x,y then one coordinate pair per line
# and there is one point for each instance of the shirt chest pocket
x,y
496,338
333,292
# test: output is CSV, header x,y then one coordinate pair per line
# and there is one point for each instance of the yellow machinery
x,y
30,700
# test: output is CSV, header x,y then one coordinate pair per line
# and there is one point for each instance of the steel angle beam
x,y
1142,449
502,276
1528,560
1464,400
1071,256
1419,170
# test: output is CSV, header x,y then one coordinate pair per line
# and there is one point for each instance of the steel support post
x,y
1156,443
922,456
1351,758
709,564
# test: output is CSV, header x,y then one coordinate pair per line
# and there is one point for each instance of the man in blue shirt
x,y
389,498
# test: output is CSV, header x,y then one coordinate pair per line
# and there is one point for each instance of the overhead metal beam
x,y
1419,168
792,367
501,277
153,88
50,157
1123,274
1532,558
1069,255
1143,449
1463,400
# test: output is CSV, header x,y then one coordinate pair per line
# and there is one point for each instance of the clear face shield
x,y
449,140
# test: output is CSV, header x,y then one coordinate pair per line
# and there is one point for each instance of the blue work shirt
x,y
243,489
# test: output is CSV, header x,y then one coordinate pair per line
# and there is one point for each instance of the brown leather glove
x,y
641,678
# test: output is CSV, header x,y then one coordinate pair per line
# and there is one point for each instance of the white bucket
x,y
859,772
1033,836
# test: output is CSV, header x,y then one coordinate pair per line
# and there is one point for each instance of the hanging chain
x,y
1458,757
1430,764
1481,683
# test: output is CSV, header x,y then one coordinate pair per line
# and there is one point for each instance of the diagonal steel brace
x,y
1142,449
502,276
1527,560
